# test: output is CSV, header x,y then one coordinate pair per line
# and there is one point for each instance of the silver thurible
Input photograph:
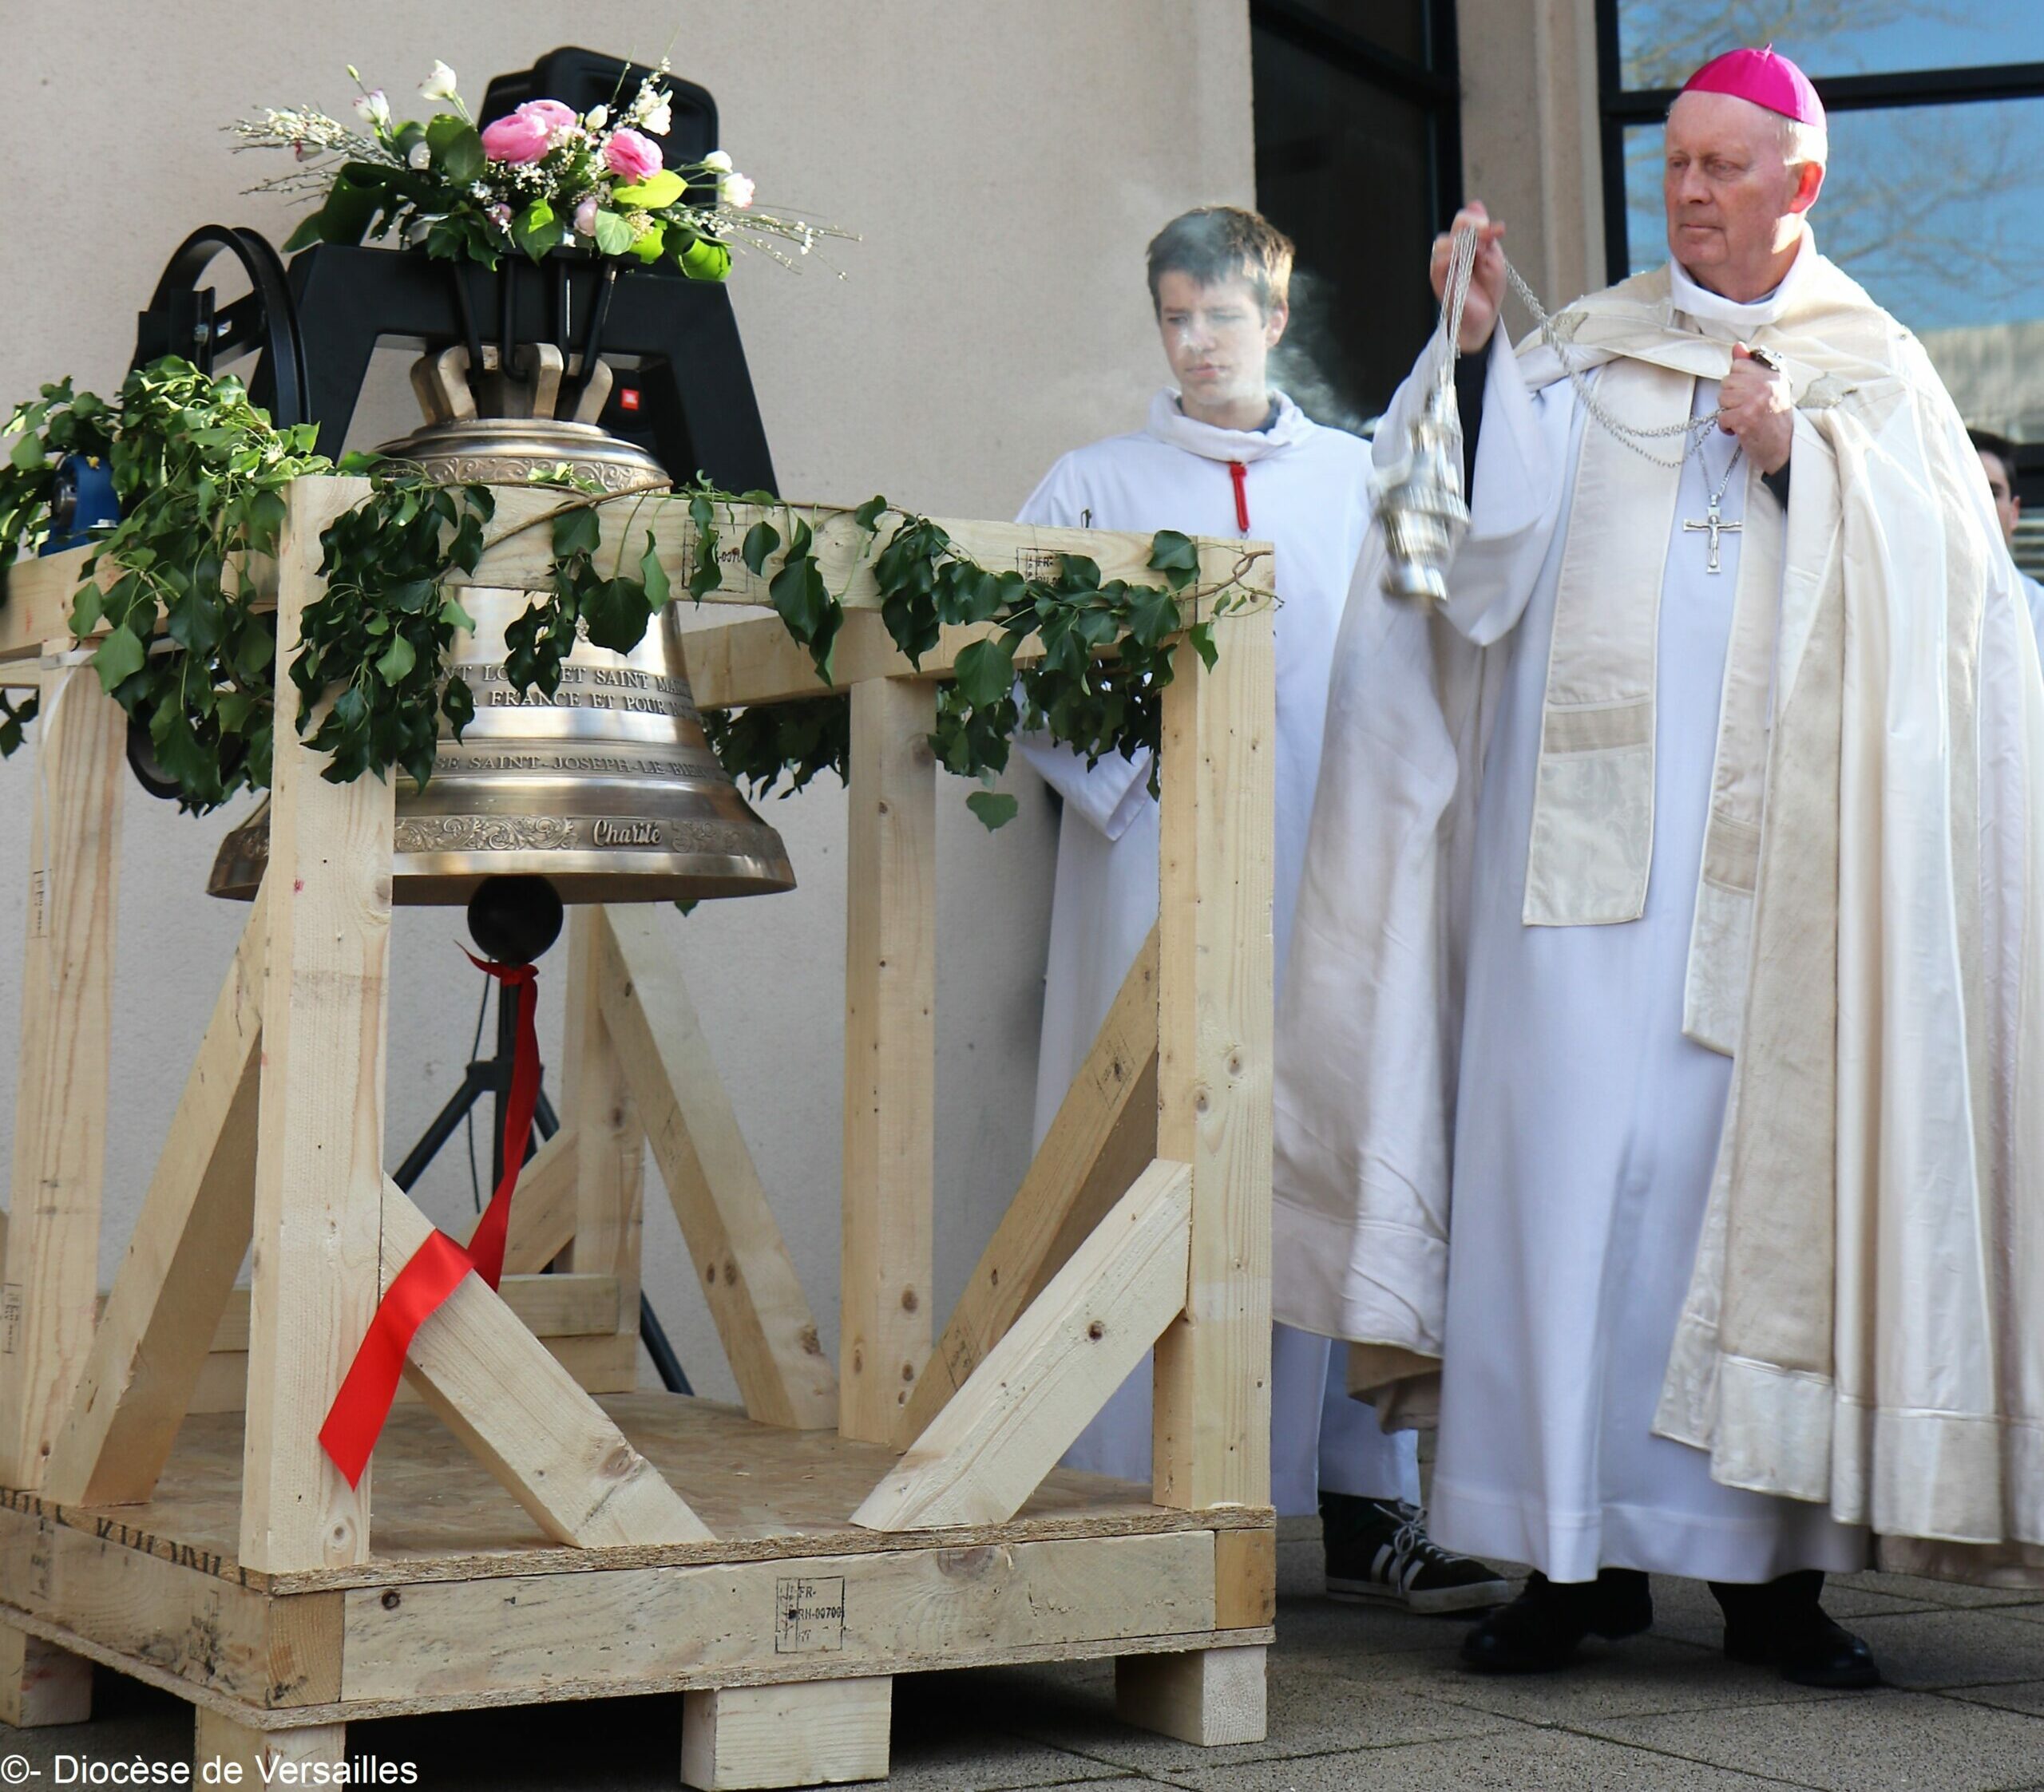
x,y
1419,501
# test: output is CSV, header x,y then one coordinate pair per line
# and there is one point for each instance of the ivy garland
x,y
199,473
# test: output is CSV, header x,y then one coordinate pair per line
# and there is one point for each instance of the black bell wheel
x,y
182,319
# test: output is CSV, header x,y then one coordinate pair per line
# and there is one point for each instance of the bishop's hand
x,y
1479,315
1757,406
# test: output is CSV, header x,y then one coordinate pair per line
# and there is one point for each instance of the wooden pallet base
x,y
784,1630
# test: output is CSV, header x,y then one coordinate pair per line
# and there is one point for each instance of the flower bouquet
x,y
541,178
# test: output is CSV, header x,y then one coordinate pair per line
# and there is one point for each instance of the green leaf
x,y
986,671
28,455
996,808
1175,555
453,615
655,193
397,660
457,147
576,530
614,234
654,575
534,230
868,515
616,613
119,656
761,539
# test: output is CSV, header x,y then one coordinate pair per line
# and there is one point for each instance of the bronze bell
x,y
608,789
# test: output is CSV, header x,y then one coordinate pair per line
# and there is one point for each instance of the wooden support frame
x,y
725,1566
50,1284
990,1448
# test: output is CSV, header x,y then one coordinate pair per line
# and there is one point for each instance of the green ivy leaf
x,y
617,611
1175,556
397,660
995,808
986,671
614,234
578,530
118,658
761,539
654,575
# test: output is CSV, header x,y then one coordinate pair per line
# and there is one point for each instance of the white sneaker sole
x,y
1479,1595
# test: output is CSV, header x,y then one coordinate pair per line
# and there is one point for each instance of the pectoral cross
x,y
1717,526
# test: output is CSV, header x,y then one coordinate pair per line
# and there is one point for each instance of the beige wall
x,y
1005,160
1529,137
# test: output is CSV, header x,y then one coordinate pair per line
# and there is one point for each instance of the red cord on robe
x,y
1238,472
356,1417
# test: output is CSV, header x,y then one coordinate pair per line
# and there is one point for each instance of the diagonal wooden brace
x,y
749,1280
1104,1136
197,1220
989,1449
524,1417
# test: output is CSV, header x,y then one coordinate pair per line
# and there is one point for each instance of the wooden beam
x,y
520,554
749,1280
1211,1439
757,661
1001,1432
610,1158
543,1213
1207,1697
811,1733
1244,1579
174,1282
42,1685
550,1446
51,1279
1104,1136
231,1753
319,1135
39,593
602,1362
556,1306
36,600
890,1059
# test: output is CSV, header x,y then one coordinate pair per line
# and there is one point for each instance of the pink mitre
x,y
1765,79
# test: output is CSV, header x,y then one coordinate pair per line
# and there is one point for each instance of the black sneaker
x,y
1378,1550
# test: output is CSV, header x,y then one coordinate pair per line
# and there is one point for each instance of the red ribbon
x,y
356,1417
1238,472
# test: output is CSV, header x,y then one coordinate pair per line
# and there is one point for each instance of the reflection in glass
x,y
1663,42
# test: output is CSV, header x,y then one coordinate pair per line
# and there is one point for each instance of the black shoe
x,y
1378,1550
1781,1625
1539,1630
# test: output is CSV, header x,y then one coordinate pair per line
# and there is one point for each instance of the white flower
x,y
735,190
440,83
718,160
419,155
373,109
660,119
597,117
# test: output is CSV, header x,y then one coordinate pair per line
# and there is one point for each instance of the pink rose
x,y
635,157
516,139
585,217
550,112
736,192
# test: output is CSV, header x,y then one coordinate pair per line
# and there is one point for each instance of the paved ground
x,y
1358,1698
